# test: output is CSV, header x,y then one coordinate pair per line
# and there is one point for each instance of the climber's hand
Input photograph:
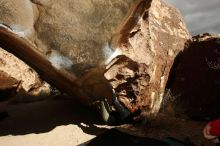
x,y
206,133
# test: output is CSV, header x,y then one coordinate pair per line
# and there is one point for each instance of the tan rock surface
x,y
19,15
151,39
7,81
79,29
8,86
75,35
19,70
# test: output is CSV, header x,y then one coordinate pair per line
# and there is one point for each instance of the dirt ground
x,y
62,122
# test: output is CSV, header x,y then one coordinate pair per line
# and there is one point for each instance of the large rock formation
x,y
149,41
195,79
73,34
137,40
19,16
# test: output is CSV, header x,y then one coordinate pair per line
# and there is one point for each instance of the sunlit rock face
x,y
149,42
132,42
18,16
73,34
195,79
16,76
17,69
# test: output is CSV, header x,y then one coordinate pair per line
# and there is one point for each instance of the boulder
x,y
195,80
79,30
19,16
133,43
72,34
148,43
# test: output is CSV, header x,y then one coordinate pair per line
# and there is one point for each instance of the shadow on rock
x,y
194,80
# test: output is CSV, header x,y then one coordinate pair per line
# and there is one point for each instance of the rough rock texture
x,y
26,78
79,29
19,15
195,79
8,85
150,40
73,34
82,36
18,70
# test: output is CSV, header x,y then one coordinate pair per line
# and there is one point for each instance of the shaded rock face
x,y
149,41
79,30
8,86
196,78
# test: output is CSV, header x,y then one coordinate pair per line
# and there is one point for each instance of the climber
x,y
212,131
120,114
